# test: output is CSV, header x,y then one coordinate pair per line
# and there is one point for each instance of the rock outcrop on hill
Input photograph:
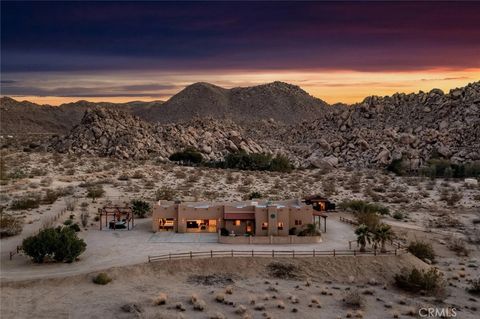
x,y
373,133
109,132
411,127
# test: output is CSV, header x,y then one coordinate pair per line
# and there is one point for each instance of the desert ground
x,y
436,211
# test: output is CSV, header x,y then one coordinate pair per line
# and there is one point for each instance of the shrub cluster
x,y
188,156
60,244
256,162
444,168
361,206
26,202
10,225
415,280
422,250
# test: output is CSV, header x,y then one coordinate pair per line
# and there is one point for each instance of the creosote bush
x,y
26,202
474,287
165,193
415,280
101,279
422,250
95,191
9,225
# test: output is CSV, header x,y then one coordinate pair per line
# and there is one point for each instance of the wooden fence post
x,y
293,253
190,254
375,251
334,253
211,254
232,252
273,253
169,256
395,251
354,253
313,252
252,252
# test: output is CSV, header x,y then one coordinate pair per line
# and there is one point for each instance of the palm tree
x,y
363,236
383,233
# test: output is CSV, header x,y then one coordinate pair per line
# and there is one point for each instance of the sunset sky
x,y
55,52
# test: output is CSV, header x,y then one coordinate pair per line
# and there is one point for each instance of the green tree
x,y
140,208
61,244
382,234
363,236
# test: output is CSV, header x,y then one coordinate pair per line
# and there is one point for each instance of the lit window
x,y
280,226
264,226
236,223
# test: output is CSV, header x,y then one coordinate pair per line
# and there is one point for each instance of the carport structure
x,y
119,216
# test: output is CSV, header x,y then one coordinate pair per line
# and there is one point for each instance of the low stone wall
x,y
266,240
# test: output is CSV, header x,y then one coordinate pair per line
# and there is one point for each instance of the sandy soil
x,y
327,280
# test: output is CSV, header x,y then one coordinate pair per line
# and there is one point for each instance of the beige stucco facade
x,y
253,217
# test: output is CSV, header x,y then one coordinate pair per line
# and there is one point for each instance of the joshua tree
x,y
383,233
363,236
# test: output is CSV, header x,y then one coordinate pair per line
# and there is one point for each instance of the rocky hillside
x,y
279,101
110,132
412,127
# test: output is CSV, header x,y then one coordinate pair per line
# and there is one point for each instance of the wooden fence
x,y
268,253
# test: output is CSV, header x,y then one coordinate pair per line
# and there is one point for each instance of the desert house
x,y
259,218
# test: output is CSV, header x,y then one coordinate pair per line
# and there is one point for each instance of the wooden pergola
x,y
118,214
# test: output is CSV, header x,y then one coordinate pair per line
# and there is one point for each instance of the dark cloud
x,y
140,90
365,36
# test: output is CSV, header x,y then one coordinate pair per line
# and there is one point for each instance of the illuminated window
x,y
280,226
264,226
236,223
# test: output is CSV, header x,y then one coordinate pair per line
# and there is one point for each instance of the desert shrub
x,y
415,280
354,298
254,195
74,227
280,163
95,191
474,287
188,156
61,244
138,175
50,196
422,250
438,167
361,206
10,225
26,202
101,279
165,193
123,177
310,230
458,245
282,270
398,215
256,162
397,166
68,222
140,208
